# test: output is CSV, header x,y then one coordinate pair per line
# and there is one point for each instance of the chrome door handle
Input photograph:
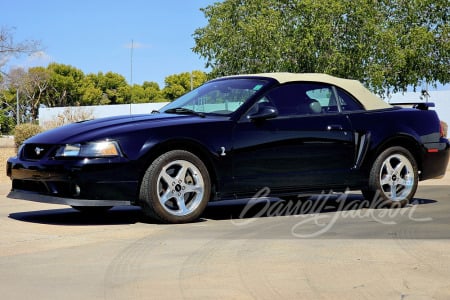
x,y
335,127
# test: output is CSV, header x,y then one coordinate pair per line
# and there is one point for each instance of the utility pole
x,y
131,63
131,73
17,108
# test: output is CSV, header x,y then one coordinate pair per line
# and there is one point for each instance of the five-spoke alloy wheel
x,y
175,188
393,178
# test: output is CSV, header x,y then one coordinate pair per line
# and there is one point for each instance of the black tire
x,y
175,188
92,209
393,178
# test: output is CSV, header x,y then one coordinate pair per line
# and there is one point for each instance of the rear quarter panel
x,y
414,129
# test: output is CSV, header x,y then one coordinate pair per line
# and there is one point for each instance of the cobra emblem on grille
x,y
38,150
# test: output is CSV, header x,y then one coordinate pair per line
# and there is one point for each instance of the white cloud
x,y
38,58
3,60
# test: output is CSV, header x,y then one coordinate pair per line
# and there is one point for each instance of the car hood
x,y
110,127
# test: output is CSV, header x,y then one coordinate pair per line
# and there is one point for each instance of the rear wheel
x,y
175,188
393,178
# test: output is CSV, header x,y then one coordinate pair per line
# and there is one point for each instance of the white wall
x,y
440,98
100,111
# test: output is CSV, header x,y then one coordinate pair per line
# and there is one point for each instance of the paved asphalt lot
x,y
336,250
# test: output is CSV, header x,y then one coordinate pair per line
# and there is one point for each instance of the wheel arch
x,y
403,140
194,147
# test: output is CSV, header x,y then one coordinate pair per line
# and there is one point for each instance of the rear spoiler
x,y
417,105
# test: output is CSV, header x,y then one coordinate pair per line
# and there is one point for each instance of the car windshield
x,y
221,97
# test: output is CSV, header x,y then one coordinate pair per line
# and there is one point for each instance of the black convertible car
x,y
231,137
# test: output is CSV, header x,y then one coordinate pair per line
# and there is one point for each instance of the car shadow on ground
x,y
276,207
221,210
121,215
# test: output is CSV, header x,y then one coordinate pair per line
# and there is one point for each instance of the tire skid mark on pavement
x,y
318,273
121,280
396,259
218,259
255,275
128,276
430,249
210,272
378,283
274,278
425,252
120,277
246,249
328,267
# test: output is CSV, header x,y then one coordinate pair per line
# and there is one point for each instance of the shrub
x,y
6,122
25,131
69,115
444,128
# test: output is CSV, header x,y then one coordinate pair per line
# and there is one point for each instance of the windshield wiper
x,y
185,111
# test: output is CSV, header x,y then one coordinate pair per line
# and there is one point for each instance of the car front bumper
x,y
37,197
87,182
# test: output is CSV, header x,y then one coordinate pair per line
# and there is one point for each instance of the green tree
x,y
179,84
388,44
103,89
114,87
152,92
8,86
65,85
34,86
92,93
6,122
13,95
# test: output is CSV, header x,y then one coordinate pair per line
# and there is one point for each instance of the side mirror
x,y
264,113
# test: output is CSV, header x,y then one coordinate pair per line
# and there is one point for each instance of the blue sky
x,y
96,35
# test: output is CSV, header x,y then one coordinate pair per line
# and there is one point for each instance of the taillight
x,y
441,129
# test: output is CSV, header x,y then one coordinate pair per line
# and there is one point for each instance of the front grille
x,y
31,186
35,151
53,188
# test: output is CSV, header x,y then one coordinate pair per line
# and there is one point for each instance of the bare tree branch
x,y
10,48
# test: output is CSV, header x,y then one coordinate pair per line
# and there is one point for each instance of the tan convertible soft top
x,y
369,100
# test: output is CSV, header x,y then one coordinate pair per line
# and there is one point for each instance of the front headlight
x,y
95,149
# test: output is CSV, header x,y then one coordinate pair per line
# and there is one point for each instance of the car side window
x,y
307,99
347,102
325,96
295,99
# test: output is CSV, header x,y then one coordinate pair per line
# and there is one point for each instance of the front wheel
x,y
393,178
175,188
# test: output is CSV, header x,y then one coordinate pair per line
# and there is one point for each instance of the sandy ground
x,y
52,252
7,149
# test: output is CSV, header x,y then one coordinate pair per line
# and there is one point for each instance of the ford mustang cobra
x,y
231,137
